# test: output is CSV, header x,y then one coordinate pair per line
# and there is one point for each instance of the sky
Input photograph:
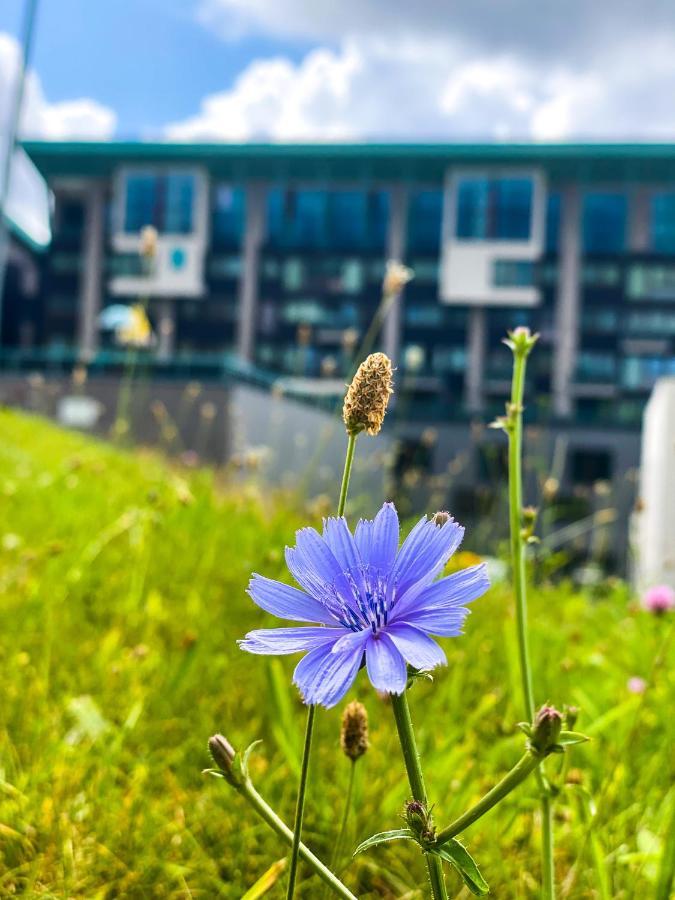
x,y
359,69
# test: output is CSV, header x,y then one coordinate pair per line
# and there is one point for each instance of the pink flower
x,y
659,599
636,685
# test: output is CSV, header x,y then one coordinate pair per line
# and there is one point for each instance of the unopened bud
x,y
571,716
368,395
354,732
546,730
222,752
521,340
419,821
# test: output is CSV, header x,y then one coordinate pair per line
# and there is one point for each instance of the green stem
x,y
548,872
266,813
515,434
335,862
349,459
525,765
406,736
515,523
311,711
300,806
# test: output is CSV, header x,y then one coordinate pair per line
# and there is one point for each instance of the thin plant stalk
x,y
406,736
514,429
335,862
311,711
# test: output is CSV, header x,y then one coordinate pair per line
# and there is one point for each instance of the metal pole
x,y
15,105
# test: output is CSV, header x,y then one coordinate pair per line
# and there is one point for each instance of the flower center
x,y
368,601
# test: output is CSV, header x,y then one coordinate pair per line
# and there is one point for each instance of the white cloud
x,y
27,202
474,69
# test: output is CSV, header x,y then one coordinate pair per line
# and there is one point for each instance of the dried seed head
x,y
149,238
354,733
441,517
396,277
368,395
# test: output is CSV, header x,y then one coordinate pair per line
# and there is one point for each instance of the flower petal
x,y
386,667
417,648
314,566
278,641
325,677
454,591
287,602
377,540
424,553
340,542
441,622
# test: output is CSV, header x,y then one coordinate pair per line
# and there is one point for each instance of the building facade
x,y
274,255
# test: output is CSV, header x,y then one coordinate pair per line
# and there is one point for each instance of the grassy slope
x,y
122,598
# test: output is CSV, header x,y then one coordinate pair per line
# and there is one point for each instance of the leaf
x,y
459,857
266,882
398,834
567,738
240,761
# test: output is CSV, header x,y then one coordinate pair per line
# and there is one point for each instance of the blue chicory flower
x,y
370,598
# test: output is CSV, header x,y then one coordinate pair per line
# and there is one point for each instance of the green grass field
x,y
123,584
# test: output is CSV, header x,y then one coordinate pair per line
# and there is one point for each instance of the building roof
x,y
426,162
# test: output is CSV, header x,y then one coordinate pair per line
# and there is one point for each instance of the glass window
x,y
604,223
229,207
640,372
593,366
494,209
651,323
513,273
662,223
425,215
164,201
321,220
646,282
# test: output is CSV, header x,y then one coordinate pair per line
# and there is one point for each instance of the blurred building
x,y
273,255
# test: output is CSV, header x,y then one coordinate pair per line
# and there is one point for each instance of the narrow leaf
x,y
458,856
266,882
398,834
572,737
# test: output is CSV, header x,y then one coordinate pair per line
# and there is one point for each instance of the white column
x,y
90,284
166,330
396,245
256,194
475,364
568,302
638,227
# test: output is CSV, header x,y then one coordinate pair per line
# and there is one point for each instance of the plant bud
x,y
222,752
395,278
521,340
419,821
571,716
354,732
546,730
148,242
368,395
441,517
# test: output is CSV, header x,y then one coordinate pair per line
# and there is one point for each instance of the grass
x,y
123,584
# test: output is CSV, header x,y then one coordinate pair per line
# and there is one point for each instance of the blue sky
x,y
360,69
149,60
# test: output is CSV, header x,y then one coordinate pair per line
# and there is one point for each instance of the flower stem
x,y
406,736
525,765
266,813
311,711
300,806
515,435
335,862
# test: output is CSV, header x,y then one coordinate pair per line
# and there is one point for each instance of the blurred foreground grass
x,y
123,584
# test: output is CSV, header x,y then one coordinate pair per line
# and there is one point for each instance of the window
x,y
494,209
596,367
647,282
651,323
662,223
604,223
589,466
601,320
320,219
425,215
513,273
164,201
229,205
641,372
